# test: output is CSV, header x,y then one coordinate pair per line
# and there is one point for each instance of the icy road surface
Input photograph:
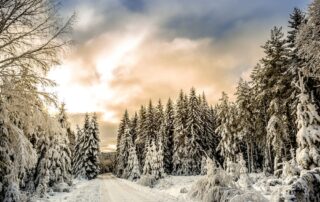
x,y
108,188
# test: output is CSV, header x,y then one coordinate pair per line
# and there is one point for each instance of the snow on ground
x,y
108,188
177,186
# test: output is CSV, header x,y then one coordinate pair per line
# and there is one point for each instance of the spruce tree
x,y
308,50
226,129
179,134
141,135
121,145
147,168
167,131
151,127
77,165
308,136
134,127
132,171
158,163
195,130
246,120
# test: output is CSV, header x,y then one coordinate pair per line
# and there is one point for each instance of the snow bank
x,y
306,188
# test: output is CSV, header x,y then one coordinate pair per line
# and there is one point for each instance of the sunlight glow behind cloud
x,y
127,52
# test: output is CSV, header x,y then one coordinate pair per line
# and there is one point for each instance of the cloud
x,y
129,51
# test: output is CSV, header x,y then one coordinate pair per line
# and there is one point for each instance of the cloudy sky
x,y
128,51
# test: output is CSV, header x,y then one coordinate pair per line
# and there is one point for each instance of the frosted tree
x,y
179,133
91,148
65,125
6,153
308,38
141,135
158,118
132,171
167,131
42,170
308,136
277,137
77,168
195,130
157,160
151,127
147,168
134,127
209,140
122,147
246,120
226,129
273,86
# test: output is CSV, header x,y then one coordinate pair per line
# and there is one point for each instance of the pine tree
x,y
132,171
246,120
6,155
121,157
134,127
272,86
141,136
151,130
308,50
64,122
179,134
227,146
42,169
297,18
195,130
77,165
208,139
87,162
92,148
167,131
277,136
158,118
147,168
158,163
308,136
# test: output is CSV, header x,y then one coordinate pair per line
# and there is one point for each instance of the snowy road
x,y
108,188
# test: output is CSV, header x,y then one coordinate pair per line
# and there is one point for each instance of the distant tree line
x,y
273,120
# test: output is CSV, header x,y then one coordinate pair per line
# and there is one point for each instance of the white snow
x,y
108,188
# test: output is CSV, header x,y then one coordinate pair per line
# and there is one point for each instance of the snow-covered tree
x,y
119,163
132,171
209,140
6,153
226,129
134,127
246,121
77,168
167,131
179,133
147,168
87,149
91,148
308,136
158,163
65,125
151,127
141,135
194,138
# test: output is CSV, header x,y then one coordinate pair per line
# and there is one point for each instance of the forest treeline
x,y
273,123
